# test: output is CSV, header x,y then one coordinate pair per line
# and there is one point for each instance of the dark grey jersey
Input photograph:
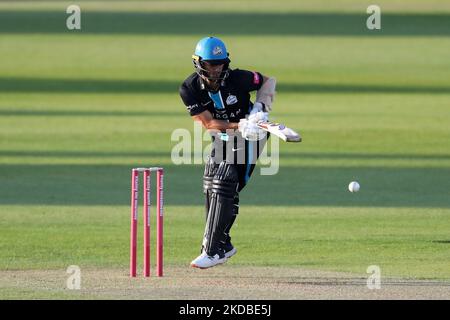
x,y
230,102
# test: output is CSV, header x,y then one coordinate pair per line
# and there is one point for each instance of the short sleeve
x,y
248,80
193,106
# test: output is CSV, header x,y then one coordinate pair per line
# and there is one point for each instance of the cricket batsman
x,y
219,98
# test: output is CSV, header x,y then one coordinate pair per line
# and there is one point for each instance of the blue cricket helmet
x,y
213,51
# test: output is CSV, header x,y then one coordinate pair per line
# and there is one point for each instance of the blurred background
x,y
80,108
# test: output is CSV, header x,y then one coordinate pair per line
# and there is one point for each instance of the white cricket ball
x,y
353,186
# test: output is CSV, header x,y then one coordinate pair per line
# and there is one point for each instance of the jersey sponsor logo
x,y
206,103
234,115
231,99
226,116
221,116
255,78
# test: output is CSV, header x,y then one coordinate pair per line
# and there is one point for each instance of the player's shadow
x,y
292,186
230,23
99,86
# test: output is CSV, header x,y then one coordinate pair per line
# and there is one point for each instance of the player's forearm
x,y
220,125
266,93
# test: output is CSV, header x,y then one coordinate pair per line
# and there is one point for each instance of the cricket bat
x,y
280,130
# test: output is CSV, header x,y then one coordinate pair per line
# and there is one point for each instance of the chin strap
x,y
204,85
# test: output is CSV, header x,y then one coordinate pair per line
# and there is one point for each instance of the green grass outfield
x,y
79,109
